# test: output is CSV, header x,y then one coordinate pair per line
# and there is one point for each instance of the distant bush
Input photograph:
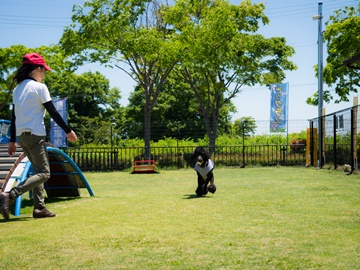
x,y
222,140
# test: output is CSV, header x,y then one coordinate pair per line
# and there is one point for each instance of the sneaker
x,y
42,213
5,202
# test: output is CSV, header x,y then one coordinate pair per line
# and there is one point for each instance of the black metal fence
x,y
339,139
122,158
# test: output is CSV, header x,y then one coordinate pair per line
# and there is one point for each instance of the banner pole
x,y
287,117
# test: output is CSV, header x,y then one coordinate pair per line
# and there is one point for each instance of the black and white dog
x,y
204,168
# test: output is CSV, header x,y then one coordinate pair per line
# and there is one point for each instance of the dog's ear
x,y
200,151
205,154
194,156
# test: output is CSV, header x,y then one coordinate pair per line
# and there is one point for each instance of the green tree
x,y
224,52
342,38
93,107
130,35
11,60
244,127
176,113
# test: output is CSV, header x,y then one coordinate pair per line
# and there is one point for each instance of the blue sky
x,y
34,23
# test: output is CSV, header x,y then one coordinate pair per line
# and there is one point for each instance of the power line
x,y
307,7
272,13
34,5
36,17
21,22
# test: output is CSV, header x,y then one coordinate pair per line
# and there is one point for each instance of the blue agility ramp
x,y
65,176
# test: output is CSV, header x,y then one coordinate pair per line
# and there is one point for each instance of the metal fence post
x,y
334,143
352,140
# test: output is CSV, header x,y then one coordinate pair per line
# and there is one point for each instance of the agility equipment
x,y
145,166
65,176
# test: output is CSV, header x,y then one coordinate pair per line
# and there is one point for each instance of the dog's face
x,y
200,160
201,156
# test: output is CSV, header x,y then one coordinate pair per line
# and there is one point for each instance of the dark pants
x,y
35,149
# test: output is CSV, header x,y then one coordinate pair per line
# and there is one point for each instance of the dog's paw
x,y
199,192
212,188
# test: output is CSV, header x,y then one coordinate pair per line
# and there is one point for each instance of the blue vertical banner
x,y
279,107
5,131
57,135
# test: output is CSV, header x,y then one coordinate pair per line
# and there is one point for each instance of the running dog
x,y
204,168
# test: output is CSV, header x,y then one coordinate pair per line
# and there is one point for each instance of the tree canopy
x,y
92,105
244,126
342,39
125,32
224,52
213,45
176,113
91,101
11,60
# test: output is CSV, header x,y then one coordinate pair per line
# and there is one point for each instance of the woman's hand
x,y
12,148
71,136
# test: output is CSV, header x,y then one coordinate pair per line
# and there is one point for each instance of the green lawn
x,y
259,218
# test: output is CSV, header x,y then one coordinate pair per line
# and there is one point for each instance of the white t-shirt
x,y
204,171
28,98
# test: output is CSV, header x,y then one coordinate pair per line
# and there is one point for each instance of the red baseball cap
x,y
35,59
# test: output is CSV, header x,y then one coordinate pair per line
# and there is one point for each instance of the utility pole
x,y
320,84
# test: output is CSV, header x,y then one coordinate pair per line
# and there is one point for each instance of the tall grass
x,y
260,218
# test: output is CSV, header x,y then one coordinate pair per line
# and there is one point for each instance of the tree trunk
x,y
147,128
212,144
211,124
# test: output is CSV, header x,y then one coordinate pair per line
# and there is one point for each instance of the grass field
x,y
259,218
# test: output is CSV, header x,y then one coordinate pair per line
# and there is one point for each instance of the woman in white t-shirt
x,y
31,99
